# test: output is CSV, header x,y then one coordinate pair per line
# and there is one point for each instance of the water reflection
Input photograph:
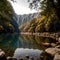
x,y
11,42
21,53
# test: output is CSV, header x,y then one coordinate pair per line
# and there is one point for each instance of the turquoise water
x,y
11,42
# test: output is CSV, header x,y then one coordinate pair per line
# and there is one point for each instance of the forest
x,y
7,22
49,18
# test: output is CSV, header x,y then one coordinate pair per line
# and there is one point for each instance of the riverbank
x,y
55,36
4,57
54,49
35,41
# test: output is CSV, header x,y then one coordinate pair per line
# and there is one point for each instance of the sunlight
x,y
21,9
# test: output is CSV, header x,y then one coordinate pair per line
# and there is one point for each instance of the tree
x,y
47,6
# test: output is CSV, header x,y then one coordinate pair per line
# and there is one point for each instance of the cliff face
x,y
22,19
7,22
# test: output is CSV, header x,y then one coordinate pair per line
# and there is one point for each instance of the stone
x,y
59,39
57,56
46,44
11,58
21,59
0,50
2,53
53,44
51,51
58,46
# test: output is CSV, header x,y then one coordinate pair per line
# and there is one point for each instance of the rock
x,y
0,50
59,39
11,58
58,46
53,44
57,56
27,57
51,51
21,59
2,55
46,44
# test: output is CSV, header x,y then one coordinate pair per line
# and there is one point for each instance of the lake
x,y
18,46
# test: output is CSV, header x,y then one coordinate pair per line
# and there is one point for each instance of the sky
x,y
22,7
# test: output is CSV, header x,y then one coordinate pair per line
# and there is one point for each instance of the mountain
x,y
22,19
8,22
42,24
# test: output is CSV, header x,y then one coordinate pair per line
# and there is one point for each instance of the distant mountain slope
x,y
26,17
7,22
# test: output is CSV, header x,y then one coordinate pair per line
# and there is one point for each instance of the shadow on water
x,y
11,42
8,42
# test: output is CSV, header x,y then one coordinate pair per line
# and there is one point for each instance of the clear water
x,y
13,43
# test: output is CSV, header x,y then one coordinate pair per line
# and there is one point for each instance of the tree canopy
x,y
49,20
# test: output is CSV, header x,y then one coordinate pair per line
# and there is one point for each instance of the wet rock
x,y
53,44
2,55
58,46
46,44
27,57
31,58
57,56
11,58
59,39
21,59
51,51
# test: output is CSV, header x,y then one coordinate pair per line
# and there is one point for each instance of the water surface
x,y
11,43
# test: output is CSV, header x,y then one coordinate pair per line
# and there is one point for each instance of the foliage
x,y
6,17
42,24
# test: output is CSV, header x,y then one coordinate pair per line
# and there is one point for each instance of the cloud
x,y
21,7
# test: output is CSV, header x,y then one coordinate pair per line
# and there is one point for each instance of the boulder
x,y
58,46
53,44
2,55
11,58
46,44
51,51
59,39
57,56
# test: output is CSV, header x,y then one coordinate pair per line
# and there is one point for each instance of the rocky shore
x,y
54,51
4,57
53,48
27,57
